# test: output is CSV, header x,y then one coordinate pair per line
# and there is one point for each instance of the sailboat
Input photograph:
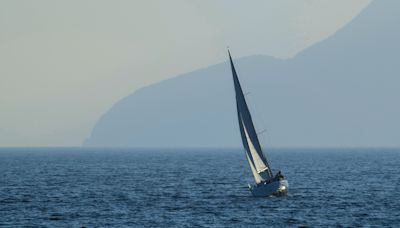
x,y
267,183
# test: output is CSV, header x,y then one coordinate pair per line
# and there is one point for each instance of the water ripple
x,y
90,187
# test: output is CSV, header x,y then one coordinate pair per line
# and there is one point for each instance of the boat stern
x,y
282,189
275,188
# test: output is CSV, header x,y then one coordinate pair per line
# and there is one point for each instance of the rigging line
x,y
262,132
259,122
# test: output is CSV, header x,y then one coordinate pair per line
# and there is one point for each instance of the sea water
x,y
78,187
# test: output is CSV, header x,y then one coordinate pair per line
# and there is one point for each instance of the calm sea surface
x,y
162,188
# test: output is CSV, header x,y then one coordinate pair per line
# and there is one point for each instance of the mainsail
x,y
258,162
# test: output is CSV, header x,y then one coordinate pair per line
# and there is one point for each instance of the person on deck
x,y
279,176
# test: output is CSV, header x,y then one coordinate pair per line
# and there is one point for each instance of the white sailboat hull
x,y
276,188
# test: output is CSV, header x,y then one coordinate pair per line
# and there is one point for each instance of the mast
x,y
254,154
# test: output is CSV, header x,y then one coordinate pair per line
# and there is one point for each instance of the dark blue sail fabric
x,y
256,158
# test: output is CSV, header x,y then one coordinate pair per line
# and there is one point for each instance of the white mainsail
x,y
258,162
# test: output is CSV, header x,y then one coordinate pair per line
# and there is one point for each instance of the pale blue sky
x,y
64,63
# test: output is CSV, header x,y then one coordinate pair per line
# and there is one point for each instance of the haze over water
x,y
128,187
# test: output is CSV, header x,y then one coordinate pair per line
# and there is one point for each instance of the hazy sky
x,y
64,63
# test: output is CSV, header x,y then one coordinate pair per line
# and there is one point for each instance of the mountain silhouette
x,y
340,92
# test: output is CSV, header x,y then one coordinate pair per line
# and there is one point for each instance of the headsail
x,y
258,162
